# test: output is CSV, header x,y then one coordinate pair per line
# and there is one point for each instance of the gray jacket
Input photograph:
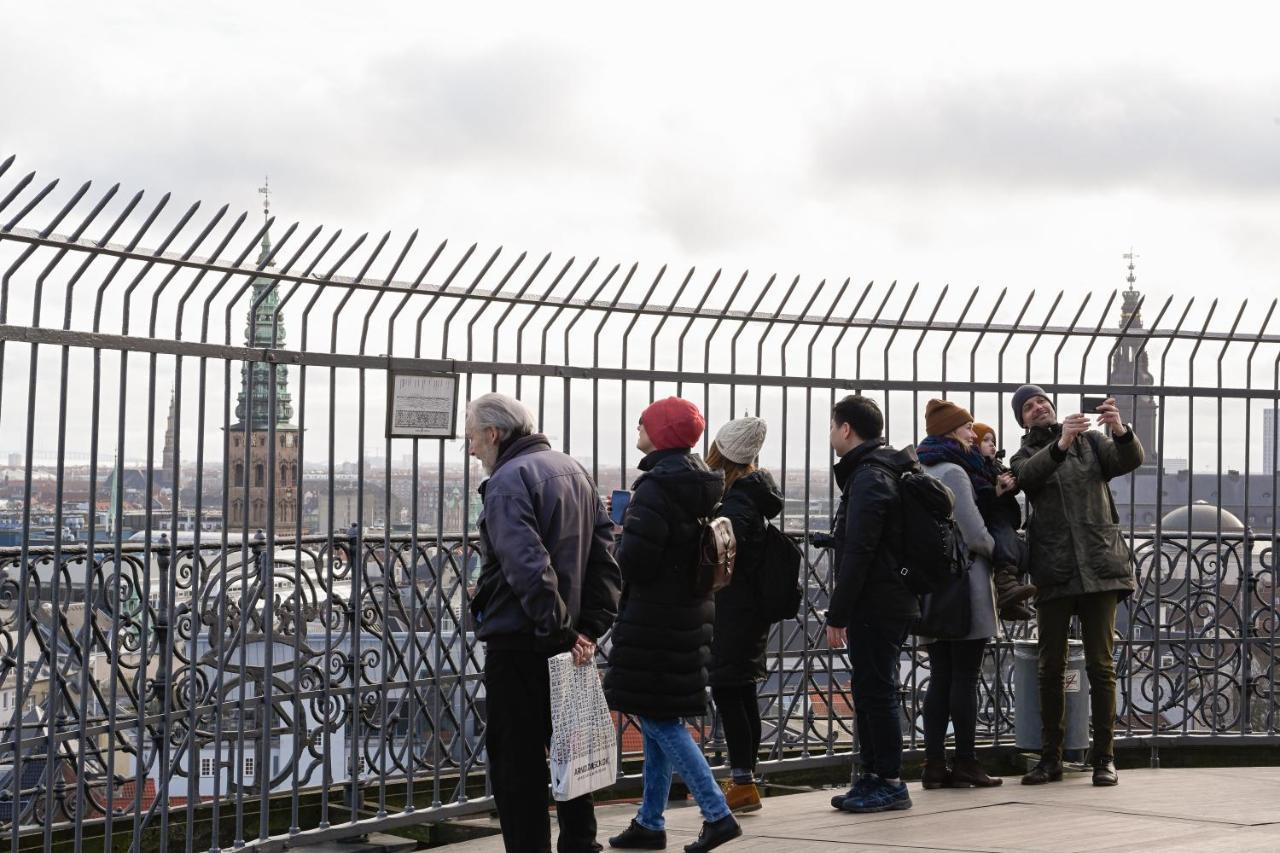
x,y
978,544
548,571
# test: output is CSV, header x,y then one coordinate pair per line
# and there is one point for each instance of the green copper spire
x,y
262,333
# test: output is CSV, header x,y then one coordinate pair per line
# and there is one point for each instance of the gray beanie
x,y
1020,398
740,440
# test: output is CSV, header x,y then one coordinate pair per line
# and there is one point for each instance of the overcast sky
x,y
994,144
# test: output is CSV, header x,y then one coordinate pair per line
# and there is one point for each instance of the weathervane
x,y
1129,255
265,189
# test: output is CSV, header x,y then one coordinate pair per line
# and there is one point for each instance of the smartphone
x,y
1089,406
618,504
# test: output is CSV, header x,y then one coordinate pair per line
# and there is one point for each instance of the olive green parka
x,y
1073,530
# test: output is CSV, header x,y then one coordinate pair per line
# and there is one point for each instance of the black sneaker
x,y
714,834
637,837
861,785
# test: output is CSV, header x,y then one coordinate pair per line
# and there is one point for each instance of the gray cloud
x,y
1092,131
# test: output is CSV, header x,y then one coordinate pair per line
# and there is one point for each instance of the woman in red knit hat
x,y
661,641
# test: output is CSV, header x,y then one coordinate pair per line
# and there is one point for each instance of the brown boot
x,y
967,771
1009,589
936,774
1016,613
742,797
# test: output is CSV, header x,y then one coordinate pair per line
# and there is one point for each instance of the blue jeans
x,y
667,746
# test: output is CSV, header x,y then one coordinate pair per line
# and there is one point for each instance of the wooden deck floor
x,y
1200,810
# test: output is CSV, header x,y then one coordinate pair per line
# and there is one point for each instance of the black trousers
x,y
1097,612
952,697
517,733
739,709
875,649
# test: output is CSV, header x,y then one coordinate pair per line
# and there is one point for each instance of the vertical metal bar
x,y
915,362
662,321
733,341
1191,467
764,336
1218,546
946,347
1248,582
1158,543
697,312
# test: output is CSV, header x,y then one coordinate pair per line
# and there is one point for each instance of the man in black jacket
x,y
548,584
870,608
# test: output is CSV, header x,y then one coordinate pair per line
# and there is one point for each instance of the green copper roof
x,y
255,379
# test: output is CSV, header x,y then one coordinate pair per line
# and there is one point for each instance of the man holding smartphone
x,y
1079,561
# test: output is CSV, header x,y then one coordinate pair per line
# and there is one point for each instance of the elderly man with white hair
x,y
548,584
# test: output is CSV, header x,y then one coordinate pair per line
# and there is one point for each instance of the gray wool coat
x,y
978,544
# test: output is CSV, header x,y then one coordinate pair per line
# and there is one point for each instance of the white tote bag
x,y
583,749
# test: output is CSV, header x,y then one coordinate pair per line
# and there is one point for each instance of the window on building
x,y
239,478
248,766
206,768
259,475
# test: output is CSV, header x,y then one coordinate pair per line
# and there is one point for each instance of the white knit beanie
x,y
740,440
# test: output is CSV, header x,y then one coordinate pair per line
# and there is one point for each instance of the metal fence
x,y
228,624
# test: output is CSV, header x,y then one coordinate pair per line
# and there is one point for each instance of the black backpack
x,y
778,592
929,534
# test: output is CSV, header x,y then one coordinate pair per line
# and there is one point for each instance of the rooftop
x,y
1169,810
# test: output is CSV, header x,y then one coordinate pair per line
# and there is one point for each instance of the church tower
x,y
270,475
1129,367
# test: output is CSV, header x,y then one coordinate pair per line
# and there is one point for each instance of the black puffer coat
x,y
738,647
662,637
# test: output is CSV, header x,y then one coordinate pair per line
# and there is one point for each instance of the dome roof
x,y
1204,517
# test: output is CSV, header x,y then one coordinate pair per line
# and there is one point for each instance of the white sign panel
x,y
422,405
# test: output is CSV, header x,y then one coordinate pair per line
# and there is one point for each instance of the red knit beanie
x,y
673,422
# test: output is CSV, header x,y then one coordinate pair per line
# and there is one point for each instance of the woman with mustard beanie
x,y
949,453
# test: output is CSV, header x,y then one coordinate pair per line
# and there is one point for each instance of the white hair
x,y
505,414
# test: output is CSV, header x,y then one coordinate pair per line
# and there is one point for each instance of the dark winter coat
x,y
738,646
661,643
1003,509
547,572
1073,529
868,537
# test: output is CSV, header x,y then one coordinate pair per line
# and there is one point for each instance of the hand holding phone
x,y
618,502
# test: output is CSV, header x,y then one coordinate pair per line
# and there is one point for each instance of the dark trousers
x,y
874,652
739,709
1097,612
1009,547
517,734
952,696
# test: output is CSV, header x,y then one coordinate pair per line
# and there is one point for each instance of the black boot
x,y
936,774
714,834
637,837
968,771
1045,771
1104,772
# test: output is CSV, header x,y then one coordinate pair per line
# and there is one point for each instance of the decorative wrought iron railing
x,y
257,605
